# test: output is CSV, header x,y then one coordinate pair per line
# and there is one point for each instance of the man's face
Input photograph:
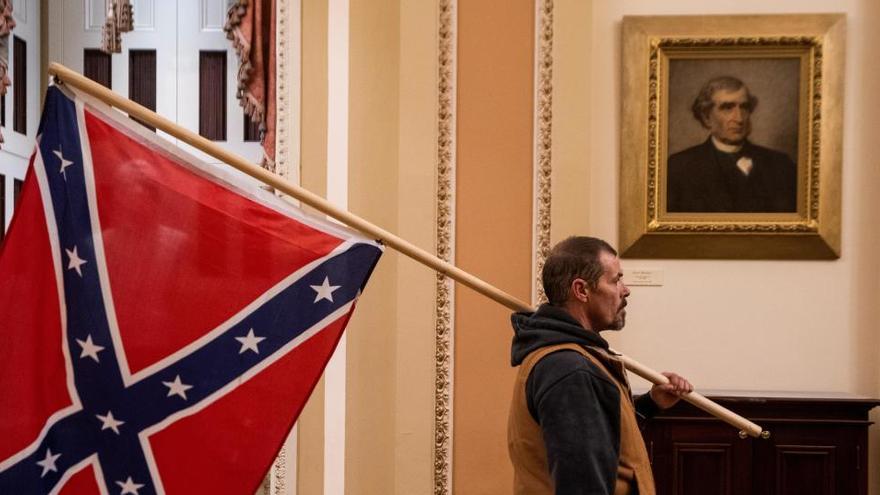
x,y
729,119
606,302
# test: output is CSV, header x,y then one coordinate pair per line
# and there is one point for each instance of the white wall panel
x,y
213,15
145,14
95,14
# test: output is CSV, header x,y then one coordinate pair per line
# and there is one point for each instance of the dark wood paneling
x,y
816,447
804,470
701,468
3,110
19,85
212,95
97,67
142,79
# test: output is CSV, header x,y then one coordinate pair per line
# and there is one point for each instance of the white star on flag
x,y
177,387
108,421
129,487
64,163
48,462
75,261
89,349
325,290
249,342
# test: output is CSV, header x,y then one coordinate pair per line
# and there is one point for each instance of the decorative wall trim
x,y
282,102
543,140
275,482
278,477
443,324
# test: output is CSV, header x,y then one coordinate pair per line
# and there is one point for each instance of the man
x,y
572,427
727,172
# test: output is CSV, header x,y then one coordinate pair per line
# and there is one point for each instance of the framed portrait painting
x,y
731,136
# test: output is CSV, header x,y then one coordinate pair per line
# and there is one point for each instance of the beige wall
x,y
313,176
373,175
392,162
417,155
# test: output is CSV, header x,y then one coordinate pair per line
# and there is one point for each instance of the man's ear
x,y
704,120
580,290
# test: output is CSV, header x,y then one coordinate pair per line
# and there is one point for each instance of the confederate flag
x,y
161,324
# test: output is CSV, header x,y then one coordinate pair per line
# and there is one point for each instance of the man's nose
x,y
738,114
625,291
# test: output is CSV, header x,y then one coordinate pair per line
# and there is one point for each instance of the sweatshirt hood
x,y
549,325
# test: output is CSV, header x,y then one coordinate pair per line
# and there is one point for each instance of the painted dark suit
x,y
705,179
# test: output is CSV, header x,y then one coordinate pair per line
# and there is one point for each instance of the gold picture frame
x,y
796,61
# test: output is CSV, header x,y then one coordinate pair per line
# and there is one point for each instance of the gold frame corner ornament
x,y
646,230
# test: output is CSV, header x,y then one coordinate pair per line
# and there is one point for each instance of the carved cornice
x,y
543,168
445,243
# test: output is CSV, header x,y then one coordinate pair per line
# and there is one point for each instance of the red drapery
x,y
250,24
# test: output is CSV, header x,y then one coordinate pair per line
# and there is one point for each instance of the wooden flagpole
x,y
86,85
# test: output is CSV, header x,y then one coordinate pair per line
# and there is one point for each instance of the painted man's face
x,y
729,119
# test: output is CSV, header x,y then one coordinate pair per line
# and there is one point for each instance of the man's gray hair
x,y
703,103
575,257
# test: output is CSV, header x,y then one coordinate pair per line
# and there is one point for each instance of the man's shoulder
x,y
569,376
563,363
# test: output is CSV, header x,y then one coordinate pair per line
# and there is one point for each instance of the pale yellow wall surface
x,y
313,176
392,162
571,143
372,192
414,393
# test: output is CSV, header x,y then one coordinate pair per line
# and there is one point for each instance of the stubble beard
x,y
619,320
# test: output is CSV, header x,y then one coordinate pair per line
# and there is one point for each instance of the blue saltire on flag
x,y
161,323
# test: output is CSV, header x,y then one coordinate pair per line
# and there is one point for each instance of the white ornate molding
x,y
543,140
286,79
443,323
287,110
